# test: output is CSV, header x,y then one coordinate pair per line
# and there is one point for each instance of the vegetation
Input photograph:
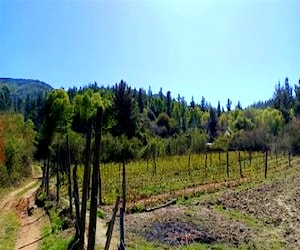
x,y
17,147
9,230
148,144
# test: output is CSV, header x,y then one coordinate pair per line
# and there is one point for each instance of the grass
x,y
54,238
54,241
100,214
10,226
248,220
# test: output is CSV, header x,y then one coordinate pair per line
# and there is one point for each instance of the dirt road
x,y
21,201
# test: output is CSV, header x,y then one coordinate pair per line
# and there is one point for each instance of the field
x,y
166,175
217,207
254,215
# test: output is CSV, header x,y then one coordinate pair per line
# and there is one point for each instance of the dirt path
x,y
21,201
101,233
10,200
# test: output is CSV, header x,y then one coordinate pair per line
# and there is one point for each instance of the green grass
x,y
248,220
54,241
100,214
9,229
53,237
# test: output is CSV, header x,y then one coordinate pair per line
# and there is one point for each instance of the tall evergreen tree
x,y
203,106
219,109
297,98
193,104
283,99
169,104
228,106
125,110
141,100
5,98
212,124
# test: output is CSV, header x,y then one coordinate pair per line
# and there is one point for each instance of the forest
x,y
167,144
142,123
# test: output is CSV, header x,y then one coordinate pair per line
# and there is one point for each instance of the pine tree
x,y
169,104
212,124
219,109
193,105
125,110
228,106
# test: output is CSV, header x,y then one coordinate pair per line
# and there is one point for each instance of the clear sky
x,y
218,49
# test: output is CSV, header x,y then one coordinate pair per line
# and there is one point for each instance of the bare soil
x,y
31,218
262,216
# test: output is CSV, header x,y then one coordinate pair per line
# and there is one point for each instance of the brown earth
x,y
262,216
31,218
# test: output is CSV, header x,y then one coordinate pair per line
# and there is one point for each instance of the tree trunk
x,y
205,167
289,158
124,185
100,188
122,236
44,175
147,164
57,174
240,164
189,164
47,176
95,181
111,224
250,157
76,201
227,163
69,176
86,176
123,208
266,163
154,164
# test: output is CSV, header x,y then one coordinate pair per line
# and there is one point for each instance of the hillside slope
x,y
21,88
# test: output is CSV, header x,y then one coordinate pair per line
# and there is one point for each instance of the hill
x,y
21,88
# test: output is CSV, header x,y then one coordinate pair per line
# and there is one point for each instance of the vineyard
x,y
165,175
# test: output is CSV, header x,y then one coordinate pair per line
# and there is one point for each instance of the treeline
x,y
140,124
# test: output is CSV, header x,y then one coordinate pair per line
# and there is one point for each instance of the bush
x,y
19,147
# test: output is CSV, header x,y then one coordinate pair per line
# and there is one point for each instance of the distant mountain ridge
x,y
21,88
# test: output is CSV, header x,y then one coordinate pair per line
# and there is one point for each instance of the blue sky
x,y
218,49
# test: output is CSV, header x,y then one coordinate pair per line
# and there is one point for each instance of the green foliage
x,y
5,98
179,172
198,141
272,119
55,241
21,88
290,137
86,104
154,148
19,148
125,110
57,223
100,214
9,230
283,99
59,111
